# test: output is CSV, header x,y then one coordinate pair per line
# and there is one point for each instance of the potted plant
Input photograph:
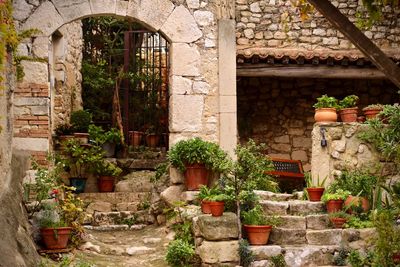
x,y
338,218
77,160
107,172
204,193
195,158
217,203
257,226
135,138
80,121
314,191
348,108
325,109
108,140
334,201
152,137
371,111
356,204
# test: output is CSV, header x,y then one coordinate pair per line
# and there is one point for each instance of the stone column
x,y
227,85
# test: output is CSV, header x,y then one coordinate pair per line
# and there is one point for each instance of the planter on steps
x,y
338,222
258,234
216,208
334,206
355,204
195,176
205,207
55,238
106,183
348,114
315,193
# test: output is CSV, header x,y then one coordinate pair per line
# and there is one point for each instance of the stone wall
x,y
279,112
344,150
276,23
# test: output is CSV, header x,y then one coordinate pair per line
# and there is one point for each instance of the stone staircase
x,y
305,237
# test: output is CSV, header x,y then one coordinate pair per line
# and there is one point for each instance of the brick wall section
x,y
31,90
40,157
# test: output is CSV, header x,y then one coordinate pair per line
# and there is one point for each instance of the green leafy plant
x,y
374,106
357,260
256,216
326,101
339,214
211,194
339,194
278,261
310,183
64,129
80,120
245,253
99,136
104,167
196,150
180,253
349,101
340,258
358,222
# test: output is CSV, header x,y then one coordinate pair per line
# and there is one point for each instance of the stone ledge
x,y
216,228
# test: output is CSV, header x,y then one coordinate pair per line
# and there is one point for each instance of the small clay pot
x,y
195,176
205,207
106,183
258,235
315,193
358,201
334,205
371,113
338,222
55,238
217,208
348,114
325,115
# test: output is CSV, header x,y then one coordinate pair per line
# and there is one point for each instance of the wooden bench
x,y
289,173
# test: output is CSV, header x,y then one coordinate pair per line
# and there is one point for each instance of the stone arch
x,y
174,22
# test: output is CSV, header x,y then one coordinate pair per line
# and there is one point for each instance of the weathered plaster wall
x,y
344,150
267,23
279,112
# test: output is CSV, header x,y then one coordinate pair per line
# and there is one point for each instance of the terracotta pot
x,y
152,140
82,137
334,205
396,258
258,234
205,207
348,114
338,222
325,115
217,208
371,113
55,238
315,193
195,176
106,183
359,201
135,138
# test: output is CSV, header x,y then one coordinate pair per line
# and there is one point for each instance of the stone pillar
x,y
227,85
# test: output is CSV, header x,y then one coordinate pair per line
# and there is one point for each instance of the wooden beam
x,y
367,47
334,72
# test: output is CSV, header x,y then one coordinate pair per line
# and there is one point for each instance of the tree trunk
x,y
238,219
356,36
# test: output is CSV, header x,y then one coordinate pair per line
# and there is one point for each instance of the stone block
x,y
30,144
274,207
186,113
21,10
114,197
35,72
282,139
40,47
121,8
227,104
339,145
324,237
72,10
189,196
146,12
282,236
293,222
100,206
204,18
217,228
185,60
317,222
102,6
127,206
267,195
305,207
309,255
193,3
180,85
138,181
219,251
46,18
300,155
172,194
302,142
200,87
181,27
176,176
265,252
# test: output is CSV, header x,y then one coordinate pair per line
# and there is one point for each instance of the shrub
x,y
349,101
179,253
326,101
80,121
339,194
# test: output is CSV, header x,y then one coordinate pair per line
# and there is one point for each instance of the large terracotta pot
x,y
258,234
217,208
106,183
82,137
334,205
56,238
315,193
135,138
195,176
325,115
152,140
205,207
359,201
348,114
371,113
338,222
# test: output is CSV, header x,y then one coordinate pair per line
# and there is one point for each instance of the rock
x,y
187,111
335,133
218,252
110,227
125,206
324,237
35,72
265,252
317,222
305,207
266,195
274,207
203,18
262,263
189,196
309,255
217,228
90,246
281,236
100,206
293,222
193,3
200,87
137,227
137,181
132,251
176,176
151,240
179,86
172,194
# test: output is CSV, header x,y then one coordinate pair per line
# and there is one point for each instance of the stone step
x,y
296,256
267,195
122,217
155,158
326,237
115,227
312,222
114,197
292,207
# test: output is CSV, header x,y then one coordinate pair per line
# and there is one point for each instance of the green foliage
x,y
64,129
256,216
358,182
161,170
339,194
278,261
358,222
99,136
310,183
357,260
211,194
245,254
196,150
179,253
80,120
340,259
104,167
349,101
326,101
183,231
131,220
374,106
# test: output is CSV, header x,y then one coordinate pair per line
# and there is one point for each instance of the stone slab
x,y
317,221
282,236
309,255
274,207
217,228
305,207
324,237
293,222
267,195
265,252
218,252
113,197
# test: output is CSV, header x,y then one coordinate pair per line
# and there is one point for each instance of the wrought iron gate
x,y
144,91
